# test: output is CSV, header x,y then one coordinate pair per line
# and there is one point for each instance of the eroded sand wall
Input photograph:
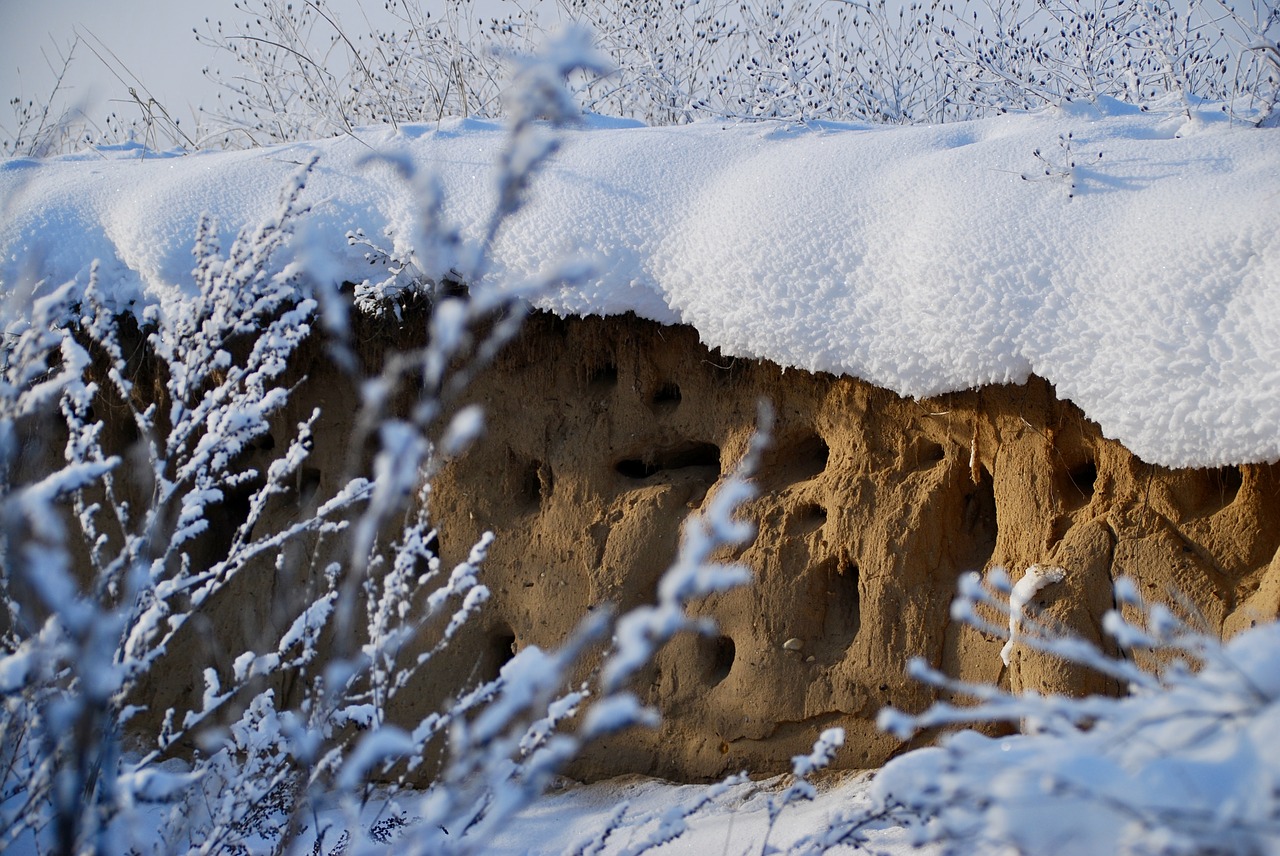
x,y
603,434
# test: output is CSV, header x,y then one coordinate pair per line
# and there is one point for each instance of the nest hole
x,y
535,484
808,517
684,456
498,650
797,461
978,523
667,398
717,655
930,453
603,377
1084,476
843,615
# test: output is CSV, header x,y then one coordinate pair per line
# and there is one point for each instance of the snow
x,y
735,821
1189,768
1033,580
730,818
917,258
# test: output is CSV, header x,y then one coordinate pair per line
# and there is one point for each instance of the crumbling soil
x,y
604,434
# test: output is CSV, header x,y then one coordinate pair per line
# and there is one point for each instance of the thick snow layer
x,y
917,258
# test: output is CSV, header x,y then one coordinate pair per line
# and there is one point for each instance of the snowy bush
x,y
55,122
301,72
1154,53
1186,762
40,129
114,558
761,59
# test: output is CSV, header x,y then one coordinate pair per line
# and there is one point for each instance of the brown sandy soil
x,y
604,434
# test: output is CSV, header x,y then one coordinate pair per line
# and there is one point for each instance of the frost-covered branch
x,y
129,539
1175,766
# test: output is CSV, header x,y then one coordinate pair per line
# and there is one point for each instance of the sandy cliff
x,y
603,434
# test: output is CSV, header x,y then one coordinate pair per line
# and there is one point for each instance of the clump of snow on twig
x,y
1033,580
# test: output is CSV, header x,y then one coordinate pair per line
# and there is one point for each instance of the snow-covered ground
x,y
1132,259
735,822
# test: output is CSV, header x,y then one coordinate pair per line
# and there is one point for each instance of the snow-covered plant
x,y
507,754
1253,64
669,56
1002,54
801,789
933,61
57,123
302,72
300,75
39,129
1064,165
929,60
164,507
1185,762
102,567
1009,55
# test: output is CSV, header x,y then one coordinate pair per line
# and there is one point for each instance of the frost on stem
x,y
503,755
89,625
300,72
89,622
289,739
1066,167
802,767
1175,766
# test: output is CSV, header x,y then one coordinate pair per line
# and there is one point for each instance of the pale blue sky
x,y
153,38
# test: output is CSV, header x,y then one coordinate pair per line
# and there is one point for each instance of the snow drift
x,y
1131,259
